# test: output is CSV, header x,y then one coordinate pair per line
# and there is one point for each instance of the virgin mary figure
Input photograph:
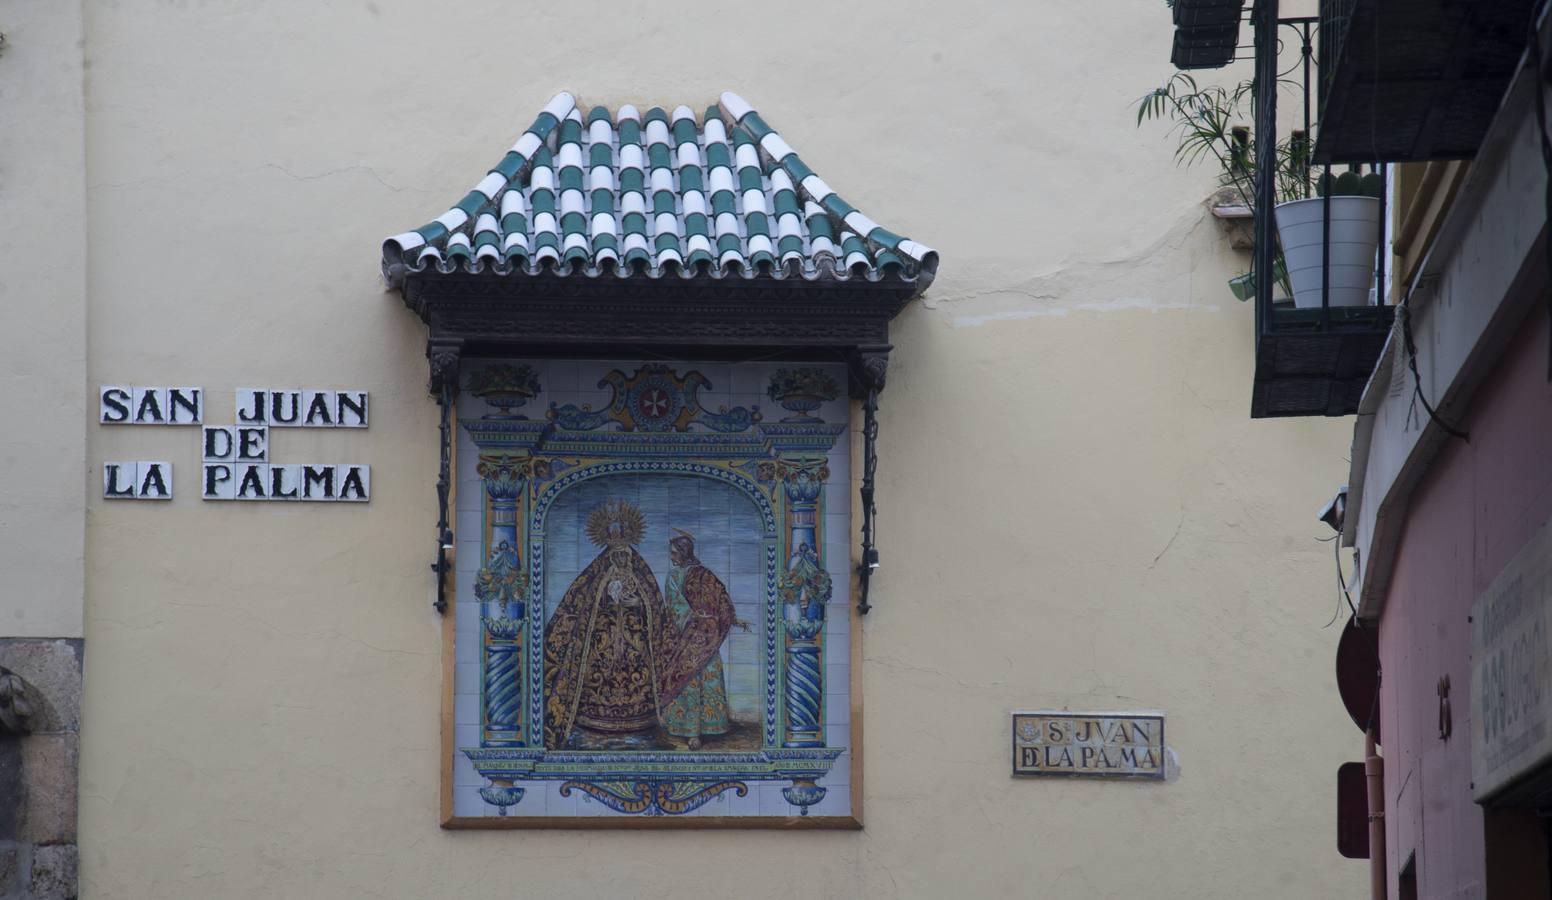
x,y
602,642
614,655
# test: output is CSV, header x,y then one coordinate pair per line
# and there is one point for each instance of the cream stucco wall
x,y
1075,507
43,321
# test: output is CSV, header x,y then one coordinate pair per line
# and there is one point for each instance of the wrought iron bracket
x,y
869,371
444,357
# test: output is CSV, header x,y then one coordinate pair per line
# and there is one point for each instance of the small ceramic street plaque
x,y
1090,744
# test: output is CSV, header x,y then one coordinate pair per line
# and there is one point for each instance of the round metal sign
x,y
1358,676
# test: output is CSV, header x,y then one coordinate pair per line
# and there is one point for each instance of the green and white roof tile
x,y
659,195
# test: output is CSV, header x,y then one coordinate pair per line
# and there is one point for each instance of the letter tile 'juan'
x,y
252,406
350,409
285,408
318,409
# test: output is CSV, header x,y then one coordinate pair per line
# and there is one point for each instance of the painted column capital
x,y
504,474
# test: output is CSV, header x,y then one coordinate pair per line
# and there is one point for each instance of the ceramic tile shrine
x,y
656,619
651,546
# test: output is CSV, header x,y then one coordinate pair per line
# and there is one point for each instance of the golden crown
x,y
616,523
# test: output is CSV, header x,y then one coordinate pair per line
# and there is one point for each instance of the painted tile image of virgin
x,y
629,663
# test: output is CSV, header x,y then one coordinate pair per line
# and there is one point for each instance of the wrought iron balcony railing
x,y
1322,310
1394,81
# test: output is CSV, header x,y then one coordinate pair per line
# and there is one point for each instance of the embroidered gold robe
x,y
612,663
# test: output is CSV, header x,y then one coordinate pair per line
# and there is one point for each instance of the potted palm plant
x,y
1203,119
1353,201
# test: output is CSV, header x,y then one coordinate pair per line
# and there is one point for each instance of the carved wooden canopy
x,y
657,235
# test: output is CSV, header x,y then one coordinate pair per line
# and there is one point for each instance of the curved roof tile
x,y
657,196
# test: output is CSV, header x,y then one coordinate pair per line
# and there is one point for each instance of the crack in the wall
x,y
1083,285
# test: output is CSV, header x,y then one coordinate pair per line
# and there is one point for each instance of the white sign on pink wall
x,y
1511,671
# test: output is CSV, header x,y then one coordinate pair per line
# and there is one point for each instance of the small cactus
x,y
1350,184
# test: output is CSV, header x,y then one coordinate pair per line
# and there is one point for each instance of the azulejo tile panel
x,y
653,590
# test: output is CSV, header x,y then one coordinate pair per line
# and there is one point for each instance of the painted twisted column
x,y
805,618
500,587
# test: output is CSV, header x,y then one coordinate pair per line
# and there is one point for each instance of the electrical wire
x,y
1341,583
1336,547
1538,77
1533,43
1404,312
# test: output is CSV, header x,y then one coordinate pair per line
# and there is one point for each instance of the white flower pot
x,y
1355,231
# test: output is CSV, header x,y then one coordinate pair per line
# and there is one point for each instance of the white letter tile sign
x,y
149,404
143,480
285,408
252,406
114,403
235,458
153,480
118,480
253,482
285,482
252,443
220,481
125,405
220,443
350,409
318,482
355,483
185,406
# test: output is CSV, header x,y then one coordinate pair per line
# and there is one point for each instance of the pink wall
x,y
1472,512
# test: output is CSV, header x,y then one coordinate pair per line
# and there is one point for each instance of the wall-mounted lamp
x,y
1335,512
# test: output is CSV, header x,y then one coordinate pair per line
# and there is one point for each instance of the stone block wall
x,y
39,756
